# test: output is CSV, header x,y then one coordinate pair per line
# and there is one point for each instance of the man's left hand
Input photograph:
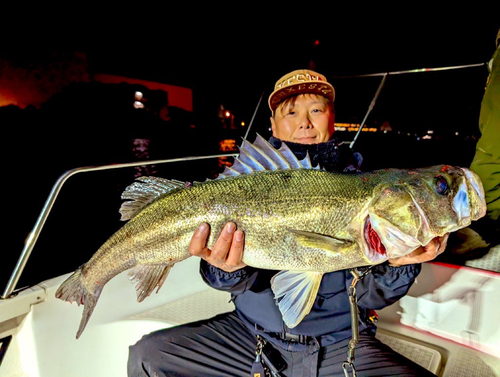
x,y
423,253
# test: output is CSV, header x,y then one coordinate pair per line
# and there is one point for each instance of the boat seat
x,y
425,356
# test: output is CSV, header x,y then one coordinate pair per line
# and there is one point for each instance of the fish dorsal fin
x,y
248,158
307,164
261,155
295,293
290,157
266,154
144,191
228,172
246,164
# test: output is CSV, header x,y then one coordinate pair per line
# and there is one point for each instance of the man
x,y
486,162
303,117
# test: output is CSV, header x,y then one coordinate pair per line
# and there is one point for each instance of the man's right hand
x,y
226,254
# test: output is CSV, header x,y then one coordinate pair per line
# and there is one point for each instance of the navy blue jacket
x,y
329,319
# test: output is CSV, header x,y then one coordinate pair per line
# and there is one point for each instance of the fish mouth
x,y
470,203
385,240
461,206
375,250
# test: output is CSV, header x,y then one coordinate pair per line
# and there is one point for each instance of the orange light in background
x,y
227,114
227,145
225,161
364,129
353,127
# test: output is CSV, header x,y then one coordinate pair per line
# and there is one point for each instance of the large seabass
x,y
299,219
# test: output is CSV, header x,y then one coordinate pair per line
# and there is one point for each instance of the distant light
x,y
227,113
430,132
456,133
138,105
427,137
347,126
353,127
242,124
138,100
228,145
316,42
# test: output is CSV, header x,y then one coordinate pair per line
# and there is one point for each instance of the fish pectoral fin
x,y
295,292
148,277
320,241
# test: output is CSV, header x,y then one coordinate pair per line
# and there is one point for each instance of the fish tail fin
x,y
148,277
71,290
88,309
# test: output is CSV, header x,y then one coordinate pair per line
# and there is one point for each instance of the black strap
x,y
294,338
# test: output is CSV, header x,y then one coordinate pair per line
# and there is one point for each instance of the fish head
x,y
412,207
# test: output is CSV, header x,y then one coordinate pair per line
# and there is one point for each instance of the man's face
x,y
308,120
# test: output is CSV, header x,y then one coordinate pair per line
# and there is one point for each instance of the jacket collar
x,y
332,155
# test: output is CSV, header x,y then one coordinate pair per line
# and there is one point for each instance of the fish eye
x,y
441,185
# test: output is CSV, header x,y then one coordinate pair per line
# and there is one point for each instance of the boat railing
x,y
49,203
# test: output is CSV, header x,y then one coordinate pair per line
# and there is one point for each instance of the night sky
x,y
231,59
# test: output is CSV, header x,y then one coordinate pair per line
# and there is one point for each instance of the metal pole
x,y
253,116
370,108
419,70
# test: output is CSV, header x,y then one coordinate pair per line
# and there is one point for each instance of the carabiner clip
x,y
345,364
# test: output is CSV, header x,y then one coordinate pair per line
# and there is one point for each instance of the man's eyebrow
x,y
316,101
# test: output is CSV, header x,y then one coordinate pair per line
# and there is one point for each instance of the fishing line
x,y
253,116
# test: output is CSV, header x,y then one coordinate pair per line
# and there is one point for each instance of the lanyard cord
x,y
353,303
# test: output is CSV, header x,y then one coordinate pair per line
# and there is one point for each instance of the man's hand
x,y
423,253
227,253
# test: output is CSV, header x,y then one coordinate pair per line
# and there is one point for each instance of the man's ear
x,y
273,126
